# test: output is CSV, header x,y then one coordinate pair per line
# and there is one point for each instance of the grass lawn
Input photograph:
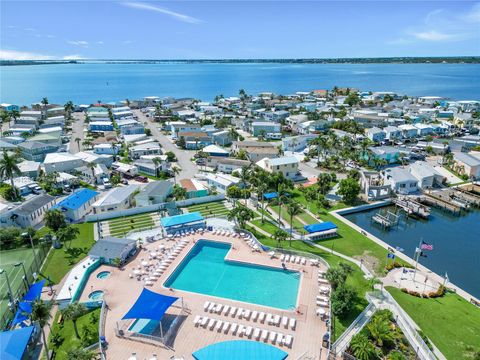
x,y
356,279
452,323
121,226
213,208
349,242
60,261
66,331
307,218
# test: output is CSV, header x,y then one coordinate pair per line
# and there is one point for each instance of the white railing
x,y
406,324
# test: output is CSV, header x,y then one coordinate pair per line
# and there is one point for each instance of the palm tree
x,y
9,168
244,175
175,171
241,214
41,314
293,209
233,133
279,235
44,103
281,198
91,166
156,161
77,140
5,118
73,312
54,219
69,107
380,330
362,348
67,233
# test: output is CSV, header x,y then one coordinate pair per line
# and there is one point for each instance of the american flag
x,y
426,246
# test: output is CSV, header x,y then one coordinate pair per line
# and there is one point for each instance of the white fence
x,y
152,208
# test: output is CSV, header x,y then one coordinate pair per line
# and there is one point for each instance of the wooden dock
x,y
471,188
469,196
412,207
440,202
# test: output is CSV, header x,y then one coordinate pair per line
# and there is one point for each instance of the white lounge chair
x,y
240,313
269,319
254,316
293,323
211,323
204,321
206,305
226,325
219,326
272,337
211,307
218,308
276,320
248,331
285,321
261,317
241,330
256,333
280,338
282,257
287,258
234,328
233,310
264,335
304,261
246,314
226,309
288,340
197,320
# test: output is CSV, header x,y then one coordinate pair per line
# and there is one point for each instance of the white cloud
x,y
473,15
81,43
30,29
400,41
433,35
23,55
26,55
51,36
172,14
73,57
100,43
126,42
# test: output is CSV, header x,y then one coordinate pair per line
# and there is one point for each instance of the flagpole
x,y
417,253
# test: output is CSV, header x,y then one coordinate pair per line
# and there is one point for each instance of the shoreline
x,y
450,285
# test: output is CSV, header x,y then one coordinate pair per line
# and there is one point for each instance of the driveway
x,y
77,131
188,168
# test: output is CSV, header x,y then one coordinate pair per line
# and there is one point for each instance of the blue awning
x,y
313,228
181,219
150,305
270,195
24,309
240,350
14,343
35,291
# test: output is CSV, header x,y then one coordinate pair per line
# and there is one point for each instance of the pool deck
x,y
121,291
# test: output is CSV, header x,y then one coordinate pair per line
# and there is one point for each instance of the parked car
x,y
141,179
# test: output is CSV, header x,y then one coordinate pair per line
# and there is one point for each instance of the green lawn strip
x,y
451,322
265,213
67,332
128,218
356,279
307,218
128,224
124,231
60,261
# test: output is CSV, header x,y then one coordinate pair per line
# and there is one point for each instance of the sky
x,y
237,29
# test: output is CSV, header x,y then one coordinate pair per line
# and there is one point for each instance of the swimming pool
x,y
103,274
97,295
204,270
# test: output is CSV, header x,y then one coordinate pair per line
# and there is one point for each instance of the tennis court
x,y
8,259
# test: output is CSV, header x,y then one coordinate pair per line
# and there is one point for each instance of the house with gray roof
x,y
155,192
400,180
111,248
468,164
31,212
36,150
118,198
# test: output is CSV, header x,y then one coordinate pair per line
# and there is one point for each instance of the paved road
x,y
77,131
189,169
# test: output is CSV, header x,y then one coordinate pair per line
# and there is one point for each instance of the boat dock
x,y
442,201
386,220
469,196
412,207
471,188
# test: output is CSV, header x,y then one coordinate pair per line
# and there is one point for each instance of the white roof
x,y
50,129
214,149
285,160
27,165
53,158
223,179
116,195
134,137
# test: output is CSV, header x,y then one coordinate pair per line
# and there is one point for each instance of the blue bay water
x,y
205,271
456,242
87,83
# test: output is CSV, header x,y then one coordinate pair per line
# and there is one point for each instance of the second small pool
x,y
96,295
103,274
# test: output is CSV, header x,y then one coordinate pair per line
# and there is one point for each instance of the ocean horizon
x,y
89,82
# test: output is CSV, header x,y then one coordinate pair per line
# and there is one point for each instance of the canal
x,y
456,241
